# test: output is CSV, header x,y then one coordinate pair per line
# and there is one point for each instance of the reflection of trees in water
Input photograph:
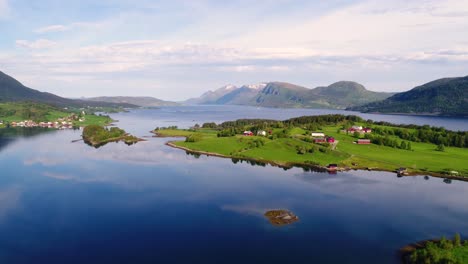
x,y
195,155
10,134
264,164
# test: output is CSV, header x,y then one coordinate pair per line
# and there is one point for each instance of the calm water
x,y
63,202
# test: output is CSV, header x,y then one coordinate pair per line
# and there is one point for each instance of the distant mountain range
x,y
339,95
448,96
12,90
143,101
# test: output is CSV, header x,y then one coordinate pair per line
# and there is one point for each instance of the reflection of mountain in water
x,y
9,135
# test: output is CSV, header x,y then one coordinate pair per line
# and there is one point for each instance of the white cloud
x,y
37,44
374,42
52,28
68,27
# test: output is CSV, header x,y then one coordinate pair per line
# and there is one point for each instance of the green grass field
x,y
422,158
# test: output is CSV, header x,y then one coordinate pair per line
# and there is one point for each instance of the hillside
x,y
448,96
143,101
339,95
211,97
12,90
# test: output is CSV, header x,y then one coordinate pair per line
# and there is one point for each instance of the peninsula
x,y
331,142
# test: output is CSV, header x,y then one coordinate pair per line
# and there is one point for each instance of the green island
x,y
440,251
97,136
343,143
32,114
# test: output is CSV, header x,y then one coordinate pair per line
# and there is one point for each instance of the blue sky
x,y
179,49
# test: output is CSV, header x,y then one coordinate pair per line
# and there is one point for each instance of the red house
x,y
330,139
248,133
363,141
367,130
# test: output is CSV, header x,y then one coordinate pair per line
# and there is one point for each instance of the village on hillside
x,y
60,123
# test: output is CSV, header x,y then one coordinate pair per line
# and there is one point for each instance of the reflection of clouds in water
x,y
246,209
45,160
386,195
9,200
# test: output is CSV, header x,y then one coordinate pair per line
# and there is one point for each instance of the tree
x,y
457,240
403,145
440,147
408,146
356,134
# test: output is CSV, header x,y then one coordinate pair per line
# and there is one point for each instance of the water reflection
x,y
150,203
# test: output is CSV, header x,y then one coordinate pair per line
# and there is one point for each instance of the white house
x,y
318,134
261,133
359,128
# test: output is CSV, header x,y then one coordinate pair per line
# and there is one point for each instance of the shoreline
x,y
304,165
405,252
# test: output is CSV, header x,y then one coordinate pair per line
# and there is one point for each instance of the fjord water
x,y
63,202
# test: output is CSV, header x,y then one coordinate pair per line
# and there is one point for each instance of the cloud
x,y
52,28
68,27
37,44
303,43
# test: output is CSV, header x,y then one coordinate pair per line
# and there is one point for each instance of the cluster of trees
x,y
194,138
439,252
166,128
256,143
387,141
301,150
27,111
98,133
209,125
428,134
229,132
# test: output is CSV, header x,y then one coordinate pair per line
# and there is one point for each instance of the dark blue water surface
x,y
63,202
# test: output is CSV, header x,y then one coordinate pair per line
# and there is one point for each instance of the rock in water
x,y
281,217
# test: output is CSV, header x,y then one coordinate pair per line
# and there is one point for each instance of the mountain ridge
x,y
142,101
11,90
445,96
287,95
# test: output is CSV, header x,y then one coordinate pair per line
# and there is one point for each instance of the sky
x,y
179,49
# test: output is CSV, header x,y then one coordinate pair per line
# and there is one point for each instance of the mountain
x,y
448,96
143,101
210,97
12,90
242,95
346,94
339,95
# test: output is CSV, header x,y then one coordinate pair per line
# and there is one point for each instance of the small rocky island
x,y
281,217
98,136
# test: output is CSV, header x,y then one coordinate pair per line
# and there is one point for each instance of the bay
x,y
64,202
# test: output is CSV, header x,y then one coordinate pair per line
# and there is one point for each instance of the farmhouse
x,y
330,139
318,134
248,133
261,133
363,141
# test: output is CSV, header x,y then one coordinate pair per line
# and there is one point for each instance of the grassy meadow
x,y
423,157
